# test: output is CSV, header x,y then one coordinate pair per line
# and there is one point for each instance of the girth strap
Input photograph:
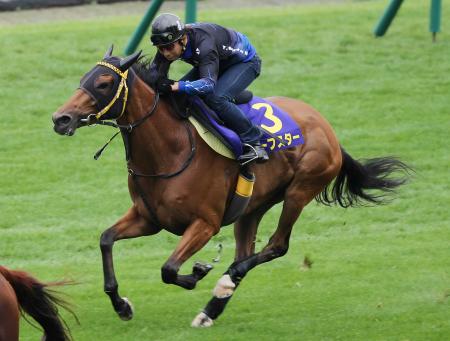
x,y
152,214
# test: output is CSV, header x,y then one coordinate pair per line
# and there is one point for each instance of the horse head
x,y
102,94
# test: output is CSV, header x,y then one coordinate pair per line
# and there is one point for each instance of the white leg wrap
x,y
224,287
202,320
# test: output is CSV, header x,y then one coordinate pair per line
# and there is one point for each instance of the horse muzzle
x,y
66,123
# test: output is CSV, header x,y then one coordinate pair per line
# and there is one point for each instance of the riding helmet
x,y
166,29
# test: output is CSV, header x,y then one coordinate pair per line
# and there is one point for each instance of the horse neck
x,y
159,141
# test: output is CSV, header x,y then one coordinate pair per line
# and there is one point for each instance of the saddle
x,y
279,130
211,121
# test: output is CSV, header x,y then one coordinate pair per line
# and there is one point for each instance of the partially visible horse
x,y
20,292
178,183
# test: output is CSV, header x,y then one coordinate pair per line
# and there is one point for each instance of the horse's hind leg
x,y
245,230
278,246
131,225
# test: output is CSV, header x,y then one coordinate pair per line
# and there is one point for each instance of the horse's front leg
x,y
131,225
194,238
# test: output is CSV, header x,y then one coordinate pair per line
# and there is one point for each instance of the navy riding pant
x,y
232,82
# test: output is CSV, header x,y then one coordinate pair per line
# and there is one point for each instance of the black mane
x,y
142,69
177,100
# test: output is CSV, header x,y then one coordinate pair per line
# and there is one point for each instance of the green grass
x,y
380,273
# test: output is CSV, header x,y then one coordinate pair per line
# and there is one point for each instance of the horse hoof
x,y
202,320
126,313
200,270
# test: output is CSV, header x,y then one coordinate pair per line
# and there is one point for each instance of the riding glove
x,y
164,85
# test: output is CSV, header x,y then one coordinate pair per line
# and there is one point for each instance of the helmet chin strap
x,y
183,47
181,42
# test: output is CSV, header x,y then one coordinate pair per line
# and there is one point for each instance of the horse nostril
x,y
63,120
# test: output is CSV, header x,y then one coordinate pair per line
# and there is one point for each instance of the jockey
x,y
224,64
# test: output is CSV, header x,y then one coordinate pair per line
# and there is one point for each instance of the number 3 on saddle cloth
x,y
279,132
279,129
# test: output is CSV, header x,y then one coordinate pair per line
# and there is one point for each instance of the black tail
x,y
40,303
355,178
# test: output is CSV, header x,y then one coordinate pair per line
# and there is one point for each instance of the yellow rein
x,y
122,85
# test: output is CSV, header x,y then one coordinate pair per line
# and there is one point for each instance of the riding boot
x,y
253,152
236,120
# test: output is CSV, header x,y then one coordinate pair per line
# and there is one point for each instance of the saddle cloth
x,y
280,131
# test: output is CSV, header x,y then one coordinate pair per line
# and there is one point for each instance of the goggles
x,y
163,38
167,47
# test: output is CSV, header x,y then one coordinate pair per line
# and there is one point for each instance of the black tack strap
x,y
100,151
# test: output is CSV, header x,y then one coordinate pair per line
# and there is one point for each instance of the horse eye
x,y
103,86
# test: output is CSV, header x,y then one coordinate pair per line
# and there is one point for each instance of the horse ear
x,y
109,52
130,60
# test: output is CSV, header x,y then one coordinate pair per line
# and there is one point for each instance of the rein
x,y
183,167
92,119
95,119
128,128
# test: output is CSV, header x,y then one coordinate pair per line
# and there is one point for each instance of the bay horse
x,y
20,292
179,184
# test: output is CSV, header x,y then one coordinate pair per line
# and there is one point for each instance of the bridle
x,y
123,85
96,119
